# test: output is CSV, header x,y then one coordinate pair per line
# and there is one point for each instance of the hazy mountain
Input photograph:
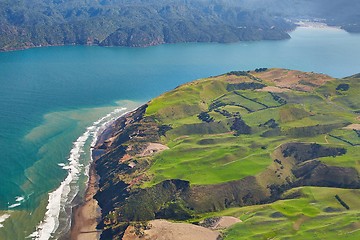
x,y
29,23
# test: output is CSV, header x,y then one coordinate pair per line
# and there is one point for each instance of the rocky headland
x,y
240,139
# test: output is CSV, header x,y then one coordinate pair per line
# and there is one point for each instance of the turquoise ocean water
x,y
53,102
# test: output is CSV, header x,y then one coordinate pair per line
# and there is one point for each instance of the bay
x,y
49,96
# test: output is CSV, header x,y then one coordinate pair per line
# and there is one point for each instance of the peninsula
x,y
244,155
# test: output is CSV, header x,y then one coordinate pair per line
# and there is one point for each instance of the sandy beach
x,y
85,215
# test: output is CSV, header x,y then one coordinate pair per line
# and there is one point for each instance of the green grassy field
x,y
220,158
315,215
225,157
217,135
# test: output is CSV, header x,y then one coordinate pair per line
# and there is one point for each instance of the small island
x,y
244,155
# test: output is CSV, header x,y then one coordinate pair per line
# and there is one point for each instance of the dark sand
x,y
85,215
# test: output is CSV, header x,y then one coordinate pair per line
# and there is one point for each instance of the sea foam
x,y
19,200
3,218
14,205
59,198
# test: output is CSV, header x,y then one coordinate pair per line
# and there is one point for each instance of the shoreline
x,y
85,215
141,46
316,25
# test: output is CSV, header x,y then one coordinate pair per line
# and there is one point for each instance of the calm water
x,y
49,96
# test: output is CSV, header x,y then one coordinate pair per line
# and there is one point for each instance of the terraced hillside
x,y
276,148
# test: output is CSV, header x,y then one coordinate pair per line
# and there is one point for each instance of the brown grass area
x,y
226,78
226,222
292,79
164,230
235,79
299,221
353,126
273,89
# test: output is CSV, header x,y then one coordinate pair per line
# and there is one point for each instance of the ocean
x,y
54,101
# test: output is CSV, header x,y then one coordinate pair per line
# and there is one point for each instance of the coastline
x,y
299,24
158,200
145,45
84,184
85,216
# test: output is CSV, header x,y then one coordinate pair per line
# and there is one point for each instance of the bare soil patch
x,y
353,126
225,222
153,148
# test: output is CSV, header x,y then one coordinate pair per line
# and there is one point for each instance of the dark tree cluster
x,y
261,70
343,87
244,86
240,127
205,117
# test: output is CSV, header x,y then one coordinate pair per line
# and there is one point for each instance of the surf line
x,y
60,197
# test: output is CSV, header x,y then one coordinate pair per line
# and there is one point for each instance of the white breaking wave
x,y
60,197
14,205
3,218
19,199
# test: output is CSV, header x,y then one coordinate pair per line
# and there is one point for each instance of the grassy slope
x,y
209,153
191,154
315,215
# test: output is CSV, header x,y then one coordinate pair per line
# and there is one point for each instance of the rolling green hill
x,y
277,148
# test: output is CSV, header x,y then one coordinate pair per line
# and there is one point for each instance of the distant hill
x,y
277,148
139,23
